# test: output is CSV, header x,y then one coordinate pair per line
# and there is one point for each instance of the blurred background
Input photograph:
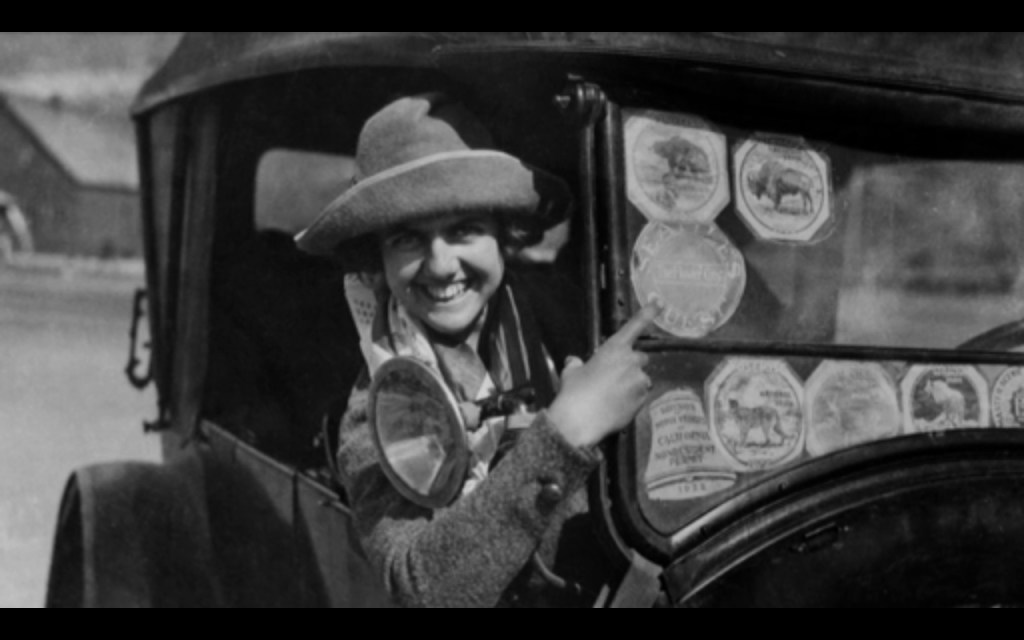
x,y
70,260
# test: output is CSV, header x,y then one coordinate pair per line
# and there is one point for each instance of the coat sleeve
x,y
468,554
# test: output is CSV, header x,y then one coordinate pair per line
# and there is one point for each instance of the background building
x,y
73,171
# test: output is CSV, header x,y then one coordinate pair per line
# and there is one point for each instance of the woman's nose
x,y
442,261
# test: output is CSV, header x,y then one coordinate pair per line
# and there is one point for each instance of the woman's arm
x,y
468,554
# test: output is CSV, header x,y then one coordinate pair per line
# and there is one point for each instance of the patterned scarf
x,y
508,363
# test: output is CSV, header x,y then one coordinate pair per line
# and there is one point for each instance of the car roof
x,y
982,65
205,60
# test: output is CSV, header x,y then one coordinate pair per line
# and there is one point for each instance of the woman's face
x,y
445,271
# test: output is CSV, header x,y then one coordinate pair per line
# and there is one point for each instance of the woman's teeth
x,y
447,293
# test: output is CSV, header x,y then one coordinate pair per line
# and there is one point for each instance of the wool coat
x,y
479,552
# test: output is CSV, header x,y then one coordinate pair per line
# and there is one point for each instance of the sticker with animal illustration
x,y
849,404
1008,399
684,463
677,167
784,190
756,411
696,274
945,398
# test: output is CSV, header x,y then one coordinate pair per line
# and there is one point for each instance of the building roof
x,y
96,150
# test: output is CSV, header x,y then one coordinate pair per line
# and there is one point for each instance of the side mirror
x,y
420,432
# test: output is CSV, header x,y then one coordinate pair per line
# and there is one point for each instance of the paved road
x,y
64,402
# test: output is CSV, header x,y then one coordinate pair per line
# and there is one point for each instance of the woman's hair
x,y
518,232
362,254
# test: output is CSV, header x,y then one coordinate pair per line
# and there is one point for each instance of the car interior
x,y
284,350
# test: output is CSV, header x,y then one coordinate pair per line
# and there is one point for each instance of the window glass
x,y
842,260
932,252
756,237
717,426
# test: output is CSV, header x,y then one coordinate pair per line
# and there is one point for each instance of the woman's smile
x,y
445,271
445,294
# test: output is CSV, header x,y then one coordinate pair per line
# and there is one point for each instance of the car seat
x,y
283,347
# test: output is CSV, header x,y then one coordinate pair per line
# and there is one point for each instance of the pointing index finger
x,y
638,325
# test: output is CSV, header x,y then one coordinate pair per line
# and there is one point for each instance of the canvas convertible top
x,y
982,65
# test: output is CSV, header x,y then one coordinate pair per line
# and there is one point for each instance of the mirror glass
x,y
419,431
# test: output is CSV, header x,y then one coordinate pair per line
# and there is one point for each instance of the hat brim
x,y
464,182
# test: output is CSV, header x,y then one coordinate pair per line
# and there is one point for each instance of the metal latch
x,y
139,380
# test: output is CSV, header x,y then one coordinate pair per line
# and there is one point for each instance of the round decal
x,y
945,398
1008,399
784,190
676,168
694,271
684,464
757,413
850,404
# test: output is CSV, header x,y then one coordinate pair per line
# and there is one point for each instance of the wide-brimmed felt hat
x,y
424,157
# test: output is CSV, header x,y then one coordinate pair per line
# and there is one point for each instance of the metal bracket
x,y
138,377
583,101
161,424
138,380
584,104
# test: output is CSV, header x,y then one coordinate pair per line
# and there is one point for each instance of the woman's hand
x,y
603,396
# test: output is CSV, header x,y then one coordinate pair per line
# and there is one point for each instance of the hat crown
x,y
426,156
415,128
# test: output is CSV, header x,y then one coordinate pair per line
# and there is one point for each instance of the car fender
x,y
134,535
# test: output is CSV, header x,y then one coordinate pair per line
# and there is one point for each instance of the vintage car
x,y
833,223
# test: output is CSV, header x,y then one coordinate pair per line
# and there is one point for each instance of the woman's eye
x,y
403,241
467,230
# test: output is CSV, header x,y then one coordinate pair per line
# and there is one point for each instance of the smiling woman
x,y
441,211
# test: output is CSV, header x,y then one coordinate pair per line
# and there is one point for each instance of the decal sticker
x,y
784,190
696,274
1008,399
850,404
945,398
684,464
676,168
757,413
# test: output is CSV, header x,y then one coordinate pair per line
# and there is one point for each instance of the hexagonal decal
x,y
1008,399
756,413
850,404
945,398
784,190
694,271
677,167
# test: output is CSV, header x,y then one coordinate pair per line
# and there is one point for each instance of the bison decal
x,y
764,419
950,401
776,182
685,159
